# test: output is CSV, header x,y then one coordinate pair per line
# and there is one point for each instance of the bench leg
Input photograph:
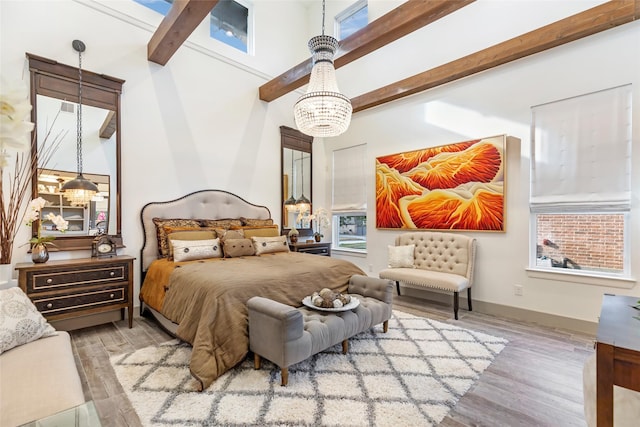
x,y
398,286
345,346
455,305
469,298
284,375
256,361
385,326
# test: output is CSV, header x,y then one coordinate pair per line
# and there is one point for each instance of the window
x,y
581,183
228,21
349,205
230,24
352,19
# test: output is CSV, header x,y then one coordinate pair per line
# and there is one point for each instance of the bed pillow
x,y
20,320
261,231
189,234
188,250
401,256
161,223
269,245
224,234
238,247
220,223
253,222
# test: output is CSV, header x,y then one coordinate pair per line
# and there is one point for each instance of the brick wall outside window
x,y
592,241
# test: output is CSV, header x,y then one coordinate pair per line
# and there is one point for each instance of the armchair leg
x,y
455,305
398,286
256,361
469,298
284,375
345,346
385,326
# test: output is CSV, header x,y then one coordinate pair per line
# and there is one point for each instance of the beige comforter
x,y
208,301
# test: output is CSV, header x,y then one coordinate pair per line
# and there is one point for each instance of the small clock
x,y
103,246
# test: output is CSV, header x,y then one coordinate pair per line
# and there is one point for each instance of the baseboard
x,y
516,313
86,321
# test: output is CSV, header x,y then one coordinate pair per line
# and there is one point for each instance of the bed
x,y
203,301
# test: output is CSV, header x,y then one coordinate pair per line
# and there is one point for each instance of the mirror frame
x,y
50,78
295,140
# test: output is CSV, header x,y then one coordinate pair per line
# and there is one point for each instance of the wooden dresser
x,y
311,248
72,288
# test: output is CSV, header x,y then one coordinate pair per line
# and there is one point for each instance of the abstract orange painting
x,y
457,186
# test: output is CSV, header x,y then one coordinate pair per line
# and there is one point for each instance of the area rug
x,y
410,376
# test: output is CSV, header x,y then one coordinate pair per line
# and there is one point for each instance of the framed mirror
x,y
297,179
54,98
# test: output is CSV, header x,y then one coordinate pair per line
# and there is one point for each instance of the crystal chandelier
x,y
79,191
323,111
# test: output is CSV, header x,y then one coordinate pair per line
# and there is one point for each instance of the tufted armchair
x,y
442,261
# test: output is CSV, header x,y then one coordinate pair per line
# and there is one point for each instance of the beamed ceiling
x,y
186,15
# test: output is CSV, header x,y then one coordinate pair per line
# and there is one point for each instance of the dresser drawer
x,y
81,300
52,279
316,251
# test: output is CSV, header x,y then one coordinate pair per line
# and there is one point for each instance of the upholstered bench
x,y
430,259
286,335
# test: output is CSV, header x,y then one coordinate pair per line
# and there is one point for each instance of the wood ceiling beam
x,y
183,17
399,22
583,24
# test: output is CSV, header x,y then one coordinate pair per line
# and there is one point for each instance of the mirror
x,y
54,97
296,178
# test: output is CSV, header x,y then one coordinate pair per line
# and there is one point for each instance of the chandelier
x,y
79,191
322,111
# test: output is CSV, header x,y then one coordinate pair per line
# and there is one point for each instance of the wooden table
x,y
617,352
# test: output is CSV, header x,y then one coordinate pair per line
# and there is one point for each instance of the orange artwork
x,y
452,187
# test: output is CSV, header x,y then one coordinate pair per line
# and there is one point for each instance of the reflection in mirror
x,y
98,156
297,179
54,98
89,220
297,185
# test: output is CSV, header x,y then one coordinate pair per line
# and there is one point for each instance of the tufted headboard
x,y
444,252
204,204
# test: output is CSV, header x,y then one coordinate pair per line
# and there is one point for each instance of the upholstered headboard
x,y
205,204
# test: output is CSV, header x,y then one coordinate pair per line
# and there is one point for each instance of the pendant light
x,y
323,111
302,204
290,203
79,191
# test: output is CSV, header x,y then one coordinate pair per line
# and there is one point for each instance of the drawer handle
x,y
112,274
111,296
49,305
49,281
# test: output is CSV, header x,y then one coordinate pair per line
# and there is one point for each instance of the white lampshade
x,y
323,111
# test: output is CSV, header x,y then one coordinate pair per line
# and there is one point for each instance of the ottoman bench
x,y
286,335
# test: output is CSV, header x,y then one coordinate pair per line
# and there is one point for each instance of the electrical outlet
x,y
517,290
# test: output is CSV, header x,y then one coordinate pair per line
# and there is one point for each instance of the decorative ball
x,y
317,301
337,303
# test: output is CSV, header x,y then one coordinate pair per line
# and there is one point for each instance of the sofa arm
x,y
371,287
269,315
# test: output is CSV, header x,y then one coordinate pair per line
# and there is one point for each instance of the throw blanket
x,y
208,301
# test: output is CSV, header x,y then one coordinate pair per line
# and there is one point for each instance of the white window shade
x,y
349,186
581,153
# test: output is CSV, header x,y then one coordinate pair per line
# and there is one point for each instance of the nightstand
x,y
72,288
311,248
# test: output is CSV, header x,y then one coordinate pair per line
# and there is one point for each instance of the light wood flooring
x,y
535,381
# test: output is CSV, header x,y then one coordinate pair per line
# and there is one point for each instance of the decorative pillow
x,y
229,234
187,250
268,245
253,222
220,223
401,256
262,231
238,247
20,320
163,244
189,234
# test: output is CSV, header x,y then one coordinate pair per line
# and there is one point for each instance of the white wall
x,y
494,102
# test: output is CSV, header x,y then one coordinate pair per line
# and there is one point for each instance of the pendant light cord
x,y
323,17
79,124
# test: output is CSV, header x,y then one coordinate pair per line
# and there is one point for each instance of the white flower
x,y
33,210
14,112
61,223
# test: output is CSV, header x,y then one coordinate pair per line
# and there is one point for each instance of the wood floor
x,y
535,381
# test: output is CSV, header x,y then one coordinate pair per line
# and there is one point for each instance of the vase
x,y
39,253
317,237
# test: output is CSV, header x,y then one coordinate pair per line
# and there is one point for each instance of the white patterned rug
x,y
410,376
